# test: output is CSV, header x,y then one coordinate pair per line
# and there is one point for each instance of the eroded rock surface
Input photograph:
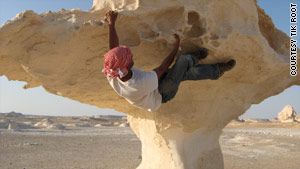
x,y
62,51
287,114
298,118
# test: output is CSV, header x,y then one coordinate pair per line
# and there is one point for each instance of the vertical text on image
x,y
293,42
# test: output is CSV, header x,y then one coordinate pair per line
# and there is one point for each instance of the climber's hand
x,y
177,38
111,17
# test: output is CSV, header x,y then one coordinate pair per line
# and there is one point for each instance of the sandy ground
x,y
261,148
244,146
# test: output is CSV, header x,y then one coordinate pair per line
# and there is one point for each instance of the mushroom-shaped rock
x,y
287,114
63,51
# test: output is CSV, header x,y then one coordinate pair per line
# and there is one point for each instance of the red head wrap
x,y
116,61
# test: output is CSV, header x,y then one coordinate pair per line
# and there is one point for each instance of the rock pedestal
x,y
174,148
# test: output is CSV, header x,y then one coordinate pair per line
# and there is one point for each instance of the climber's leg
x,y
202,71
170,81
208,71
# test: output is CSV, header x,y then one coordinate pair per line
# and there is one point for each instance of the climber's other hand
x,y
177,38
111,17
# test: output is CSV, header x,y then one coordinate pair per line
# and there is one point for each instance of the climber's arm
x,y
169,59
111,18
113,37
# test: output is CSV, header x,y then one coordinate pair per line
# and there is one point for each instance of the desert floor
x,y
244,146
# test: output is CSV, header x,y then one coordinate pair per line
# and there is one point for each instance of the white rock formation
x,y
97,117
44,123
237,120
298,118
56,126
13,126
255,120
62,51
29,123
116,123
107,124
124,125
98,125
85,118
287,114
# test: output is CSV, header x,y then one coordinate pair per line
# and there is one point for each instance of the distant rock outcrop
x,y
97,117
13,114
98,125
237,120
49,124
298,118
85,118
287,114
14,125
108,124
274,120
256,120
44,123
124,125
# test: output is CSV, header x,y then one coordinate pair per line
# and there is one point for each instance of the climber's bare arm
x,y
111,17
169,59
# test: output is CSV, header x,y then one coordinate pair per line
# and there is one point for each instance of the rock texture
x,y
287,114
62,51
298,118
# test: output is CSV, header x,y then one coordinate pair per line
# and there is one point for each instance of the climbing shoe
x,y
224,67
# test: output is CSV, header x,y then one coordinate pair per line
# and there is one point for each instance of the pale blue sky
x,y
37,101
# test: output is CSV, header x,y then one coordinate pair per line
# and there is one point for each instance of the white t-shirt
x,y
141,90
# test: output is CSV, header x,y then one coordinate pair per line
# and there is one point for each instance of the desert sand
x,y
245,145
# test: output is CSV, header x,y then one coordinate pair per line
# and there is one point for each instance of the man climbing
x,y
147,90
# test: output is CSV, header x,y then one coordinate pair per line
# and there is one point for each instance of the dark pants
x,y
186,67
